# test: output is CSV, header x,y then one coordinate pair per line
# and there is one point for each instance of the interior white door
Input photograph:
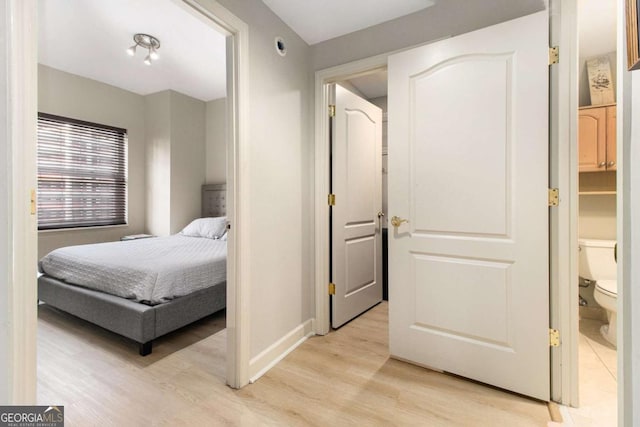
x,y
356,243
468,169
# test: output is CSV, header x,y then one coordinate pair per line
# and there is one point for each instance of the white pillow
x,y
211,228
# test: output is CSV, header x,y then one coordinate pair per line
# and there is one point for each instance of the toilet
x,y
597,264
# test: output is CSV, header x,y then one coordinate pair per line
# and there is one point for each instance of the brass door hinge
x,y
332,200
554,338
332,110
554,55
332,288
33,202
554,197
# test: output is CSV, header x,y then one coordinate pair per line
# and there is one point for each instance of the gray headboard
x,y
214,200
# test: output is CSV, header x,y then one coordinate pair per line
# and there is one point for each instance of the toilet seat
x,y
608,287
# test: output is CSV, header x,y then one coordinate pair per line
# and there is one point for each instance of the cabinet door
x,y
592,134
611,138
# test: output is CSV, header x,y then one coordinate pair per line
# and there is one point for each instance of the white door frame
x,y
238,194
563,221
22,108
238,344
19,127
322,147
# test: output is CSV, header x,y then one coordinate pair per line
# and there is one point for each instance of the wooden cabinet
x,y
611,138
597,139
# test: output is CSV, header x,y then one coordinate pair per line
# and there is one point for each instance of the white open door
x,y
356,243
468,169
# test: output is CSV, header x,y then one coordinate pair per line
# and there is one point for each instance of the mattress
x,y
151,271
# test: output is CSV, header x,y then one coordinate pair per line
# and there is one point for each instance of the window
x,y
82,174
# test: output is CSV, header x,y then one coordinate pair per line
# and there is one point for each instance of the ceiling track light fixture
x,y
148,42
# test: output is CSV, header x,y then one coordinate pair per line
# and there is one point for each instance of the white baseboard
x,y
266,360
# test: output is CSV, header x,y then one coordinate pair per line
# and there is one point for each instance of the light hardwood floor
x,y
344,378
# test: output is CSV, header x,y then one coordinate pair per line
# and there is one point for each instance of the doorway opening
x,y
324,81
373,88
597,200
218,135
357,217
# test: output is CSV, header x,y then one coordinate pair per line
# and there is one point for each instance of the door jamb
x,y
563,219
19,128
237,141
323,78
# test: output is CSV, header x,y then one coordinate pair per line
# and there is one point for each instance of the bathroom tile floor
x,y
598,374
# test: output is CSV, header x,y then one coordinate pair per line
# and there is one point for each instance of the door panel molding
x,y
356,234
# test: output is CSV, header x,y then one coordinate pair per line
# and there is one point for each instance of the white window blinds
x,y
82,173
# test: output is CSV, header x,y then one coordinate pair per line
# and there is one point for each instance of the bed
x,y
142,312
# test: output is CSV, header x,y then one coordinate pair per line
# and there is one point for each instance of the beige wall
x,y
281,176
166,153
158,161
597,214
187,159
596,37
444,19
175,160
80,98
216,168
380,102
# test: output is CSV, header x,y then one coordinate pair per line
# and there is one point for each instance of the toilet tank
x,y
596,260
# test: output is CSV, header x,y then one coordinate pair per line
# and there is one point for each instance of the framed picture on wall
x,y
633,53
600,80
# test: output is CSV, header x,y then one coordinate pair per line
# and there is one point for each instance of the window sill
x,y
98,227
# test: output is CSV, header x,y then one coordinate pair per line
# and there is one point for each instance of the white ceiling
x,y
317,21
90,37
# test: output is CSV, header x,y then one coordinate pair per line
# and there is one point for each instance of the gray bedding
x,y
151,271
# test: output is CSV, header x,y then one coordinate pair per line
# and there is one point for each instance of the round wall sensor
x,y
281,48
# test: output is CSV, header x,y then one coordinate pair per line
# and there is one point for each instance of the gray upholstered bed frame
x,y
140,322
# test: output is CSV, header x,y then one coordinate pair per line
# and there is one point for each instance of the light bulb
x,y
147,60
132,50
153,54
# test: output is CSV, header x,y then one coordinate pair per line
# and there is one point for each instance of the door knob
x,y
380,214
612,163
602,164
397,221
